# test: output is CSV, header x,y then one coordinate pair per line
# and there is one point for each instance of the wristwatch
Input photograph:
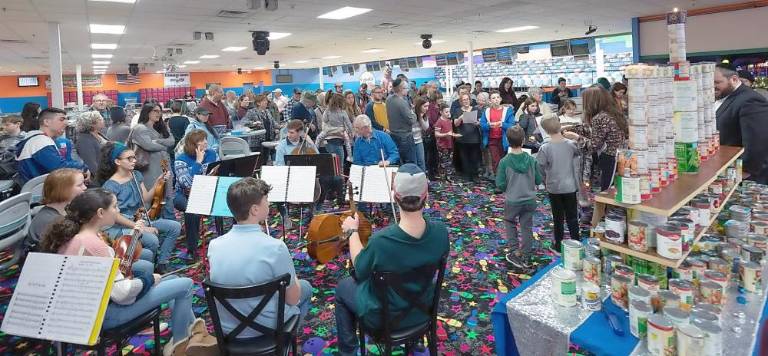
x,y
349,233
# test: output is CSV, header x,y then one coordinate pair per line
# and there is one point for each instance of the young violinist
x,y
117,174
247,256
78,234
413,242
59,188
193,161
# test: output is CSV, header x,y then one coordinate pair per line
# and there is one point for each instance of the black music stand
x,y
325,164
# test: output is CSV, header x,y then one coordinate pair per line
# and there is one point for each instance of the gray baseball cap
x,y
410,181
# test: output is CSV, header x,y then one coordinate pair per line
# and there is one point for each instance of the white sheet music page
x,y
377,184
302,184
201,195
355,178
58,297
277,177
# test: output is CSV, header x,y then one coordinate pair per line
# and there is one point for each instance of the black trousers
x,y
607,165
430,155
471,157
565,209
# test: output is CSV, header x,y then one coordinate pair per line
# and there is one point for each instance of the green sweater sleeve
x,y
537,172
501,176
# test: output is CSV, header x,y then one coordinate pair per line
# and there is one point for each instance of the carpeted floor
x,y
476,276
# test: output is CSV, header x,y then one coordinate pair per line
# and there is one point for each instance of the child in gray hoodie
x,y
517,176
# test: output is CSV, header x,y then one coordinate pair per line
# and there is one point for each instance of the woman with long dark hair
x,y
604,131
117,175
151,134
78,233
29,115
507,92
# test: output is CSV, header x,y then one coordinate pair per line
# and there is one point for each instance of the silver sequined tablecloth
x,y
543,328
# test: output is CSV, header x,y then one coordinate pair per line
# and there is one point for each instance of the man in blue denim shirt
x,y
370,143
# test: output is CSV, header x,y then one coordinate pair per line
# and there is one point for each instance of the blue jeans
x,y
420,156
304,299
335,145
405,146
346,311
169,230
191,223
173,290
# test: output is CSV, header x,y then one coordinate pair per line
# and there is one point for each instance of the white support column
x,y
54,53
320,76
79,79
470,65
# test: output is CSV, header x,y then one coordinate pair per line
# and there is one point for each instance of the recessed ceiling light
x,y
209,56
300,62
258,68
100,67
108,29
120,1
369,38
331,57
101,62
515,29
343,13
160,72
181,66
233,49
97,55
13,71
278,35
103,45
191,62
373,50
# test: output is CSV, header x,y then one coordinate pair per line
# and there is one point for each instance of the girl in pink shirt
x,y
78,234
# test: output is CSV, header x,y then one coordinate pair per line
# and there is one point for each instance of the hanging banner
x,y
70,81
177,80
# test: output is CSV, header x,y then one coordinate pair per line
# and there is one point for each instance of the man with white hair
x,y
100,104
217,108
536,93
370,144
280,100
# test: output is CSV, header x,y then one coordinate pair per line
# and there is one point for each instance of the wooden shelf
x,y
687,186
655,257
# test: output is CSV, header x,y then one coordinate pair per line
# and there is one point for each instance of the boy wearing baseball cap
x,y
413,243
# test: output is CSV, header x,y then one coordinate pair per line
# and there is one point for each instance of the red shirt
x,y
495,116
219,113
444,126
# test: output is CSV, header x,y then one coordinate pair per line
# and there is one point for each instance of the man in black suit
x,y
742,120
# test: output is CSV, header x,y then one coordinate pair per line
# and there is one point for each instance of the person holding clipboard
x,y
193,161
465,120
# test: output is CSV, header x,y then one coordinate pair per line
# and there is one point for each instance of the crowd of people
x,y
98,187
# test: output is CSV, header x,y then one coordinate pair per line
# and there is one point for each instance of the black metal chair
x,y
389,333
273,341
119,335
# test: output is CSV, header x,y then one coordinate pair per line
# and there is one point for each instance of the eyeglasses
x,y
129,158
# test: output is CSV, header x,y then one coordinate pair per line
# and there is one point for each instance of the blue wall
x,y
14,105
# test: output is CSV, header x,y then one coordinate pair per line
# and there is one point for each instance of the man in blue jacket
x,y
370,143
38,154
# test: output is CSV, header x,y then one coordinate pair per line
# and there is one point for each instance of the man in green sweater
x,y
411,244
517,176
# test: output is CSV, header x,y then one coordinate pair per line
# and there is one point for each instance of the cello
x,y
128,247
325,237
158,200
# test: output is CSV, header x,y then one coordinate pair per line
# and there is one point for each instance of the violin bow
x,y
389,188
141,196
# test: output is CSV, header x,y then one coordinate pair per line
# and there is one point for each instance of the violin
x,y
158,200
326,239
128,247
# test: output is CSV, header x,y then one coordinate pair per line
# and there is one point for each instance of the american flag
x,y
127,79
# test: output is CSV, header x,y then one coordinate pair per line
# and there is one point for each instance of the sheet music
x,y
299,189
302,184
375,188
276,176
59,297
201,195
220,206
469,117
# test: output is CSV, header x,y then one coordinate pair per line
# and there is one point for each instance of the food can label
x,y
628,190
686,127
687,157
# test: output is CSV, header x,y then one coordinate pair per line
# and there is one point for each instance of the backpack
x,y
8,166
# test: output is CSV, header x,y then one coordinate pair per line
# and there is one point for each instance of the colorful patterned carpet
x,y
476,276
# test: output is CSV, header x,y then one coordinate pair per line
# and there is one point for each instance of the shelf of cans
x,y
676,311
661,239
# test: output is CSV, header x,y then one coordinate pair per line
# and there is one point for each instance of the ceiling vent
x,y
5,40
387,25
180,44
35,58
295,47
232,14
